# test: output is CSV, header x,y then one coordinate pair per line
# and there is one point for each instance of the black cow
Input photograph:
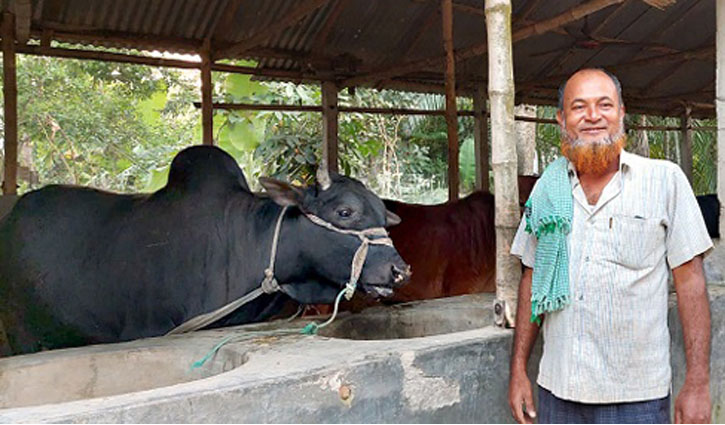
x,y
710,207
81,266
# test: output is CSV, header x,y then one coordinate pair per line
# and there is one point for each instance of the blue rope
x,y
310,329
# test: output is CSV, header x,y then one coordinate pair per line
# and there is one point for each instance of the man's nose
x,y
593,113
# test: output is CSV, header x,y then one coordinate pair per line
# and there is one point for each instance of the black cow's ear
x,y
282,193
391,219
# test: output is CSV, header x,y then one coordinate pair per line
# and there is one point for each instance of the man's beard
x,y
593,156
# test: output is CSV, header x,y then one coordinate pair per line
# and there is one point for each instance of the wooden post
x,y
451,114
207,110
330,115
503,157
720,106
480,138
686,143
10,94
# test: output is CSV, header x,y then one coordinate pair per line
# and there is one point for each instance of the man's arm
x,y
693,403
520,394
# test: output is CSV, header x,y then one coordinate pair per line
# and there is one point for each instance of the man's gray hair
x,y
611,76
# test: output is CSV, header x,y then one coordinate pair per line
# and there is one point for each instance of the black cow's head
x,y
346,204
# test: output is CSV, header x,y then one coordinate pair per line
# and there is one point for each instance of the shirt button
x,y
586,258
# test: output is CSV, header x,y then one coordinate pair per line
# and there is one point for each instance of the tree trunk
x,y
503,156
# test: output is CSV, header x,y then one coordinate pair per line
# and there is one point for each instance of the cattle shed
x,y
506,51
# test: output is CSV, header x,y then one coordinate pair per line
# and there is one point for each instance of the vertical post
x,y
686,142
451,111
525,140
207,109
480,138
330,115
720,105
10,93
503,157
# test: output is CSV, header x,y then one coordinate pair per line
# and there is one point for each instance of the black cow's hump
x,y
205,168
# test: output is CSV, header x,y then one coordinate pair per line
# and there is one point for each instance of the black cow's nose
x,y
400,276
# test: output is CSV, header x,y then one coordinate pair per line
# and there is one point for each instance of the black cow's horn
x,y
323,177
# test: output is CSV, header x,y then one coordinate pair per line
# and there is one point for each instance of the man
x,y
601,280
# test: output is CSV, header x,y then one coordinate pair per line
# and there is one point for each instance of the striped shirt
x,y
611,343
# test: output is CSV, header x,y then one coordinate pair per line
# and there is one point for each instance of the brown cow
x,y
450,247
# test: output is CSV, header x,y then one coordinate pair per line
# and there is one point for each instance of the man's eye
x,y
344,212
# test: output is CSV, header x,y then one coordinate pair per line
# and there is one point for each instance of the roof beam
x,y
298,13
523,33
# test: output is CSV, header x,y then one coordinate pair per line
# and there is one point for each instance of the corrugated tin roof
x,y
342,39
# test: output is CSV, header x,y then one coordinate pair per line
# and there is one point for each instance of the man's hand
x,y
521,399
693,404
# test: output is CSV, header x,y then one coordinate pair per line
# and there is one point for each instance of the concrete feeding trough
x,y
107,370
431,361
415,319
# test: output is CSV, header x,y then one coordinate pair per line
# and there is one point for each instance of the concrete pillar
x,y
480,138
330,115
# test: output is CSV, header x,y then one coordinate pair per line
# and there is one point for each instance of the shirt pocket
x,y
636,240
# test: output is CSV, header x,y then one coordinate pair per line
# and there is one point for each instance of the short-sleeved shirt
x,y
611,343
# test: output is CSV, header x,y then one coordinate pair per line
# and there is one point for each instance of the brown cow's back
x,y
450,247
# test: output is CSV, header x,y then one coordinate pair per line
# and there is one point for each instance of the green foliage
x,y
99,124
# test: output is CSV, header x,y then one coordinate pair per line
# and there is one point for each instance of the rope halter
x,y
270,285
358,260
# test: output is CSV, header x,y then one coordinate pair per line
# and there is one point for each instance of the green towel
x,y
549,212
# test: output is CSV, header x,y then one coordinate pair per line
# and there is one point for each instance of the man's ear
x,y
391,219
282,193
560,117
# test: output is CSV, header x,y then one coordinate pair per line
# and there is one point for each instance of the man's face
x,y
591,121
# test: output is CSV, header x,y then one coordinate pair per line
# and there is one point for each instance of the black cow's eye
x,y
344,212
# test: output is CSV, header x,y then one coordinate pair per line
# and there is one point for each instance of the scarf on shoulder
x,y
549,212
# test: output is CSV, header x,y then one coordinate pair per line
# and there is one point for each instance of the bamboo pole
x,y
480,139
450,83
329,125
10,94
720,106
686,143
207,110
503,156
